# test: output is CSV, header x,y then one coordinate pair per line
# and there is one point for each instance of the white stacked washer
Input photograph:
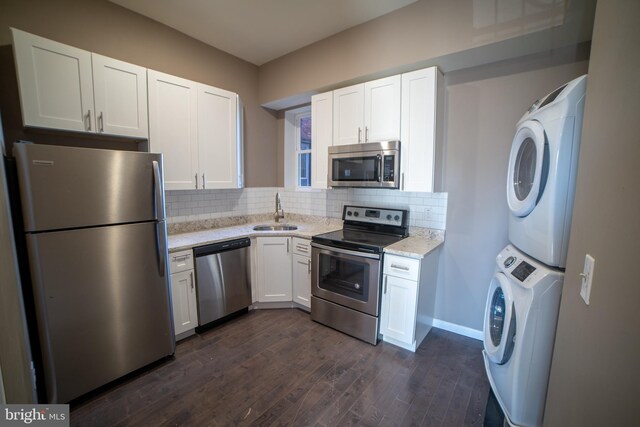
x,y
524,295
520,325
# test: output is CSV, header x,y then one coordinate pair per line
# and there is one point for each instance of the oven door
x,y
346,277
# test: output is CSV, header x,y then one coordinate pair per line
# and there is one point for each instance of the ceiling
x,y
261,30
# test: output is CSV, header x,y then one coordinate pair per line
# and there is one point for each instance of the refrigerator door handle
x,y
161,236
161,246
159,193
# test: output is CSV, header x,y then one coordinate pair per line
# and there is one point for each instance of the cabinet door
x,y
120,91
173,122
217,137
302,280
382,109
183,301
398,318
321,137
348,115
418,130
273,269
55,84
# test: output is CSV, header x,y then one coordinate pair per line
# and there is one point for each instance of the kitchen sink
x,y
275,227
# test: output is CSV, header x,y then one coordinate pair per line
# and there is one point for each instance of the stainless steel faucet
x,y
279,213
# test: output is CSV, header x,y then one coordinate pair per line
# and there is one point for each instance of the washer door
x,y
499,320
526,164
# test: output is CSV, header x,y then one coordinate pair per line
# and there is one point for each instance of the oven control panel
x,y
384,216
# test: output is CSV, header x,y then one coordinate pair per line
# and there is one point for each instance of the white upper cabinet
x,y
348,115
321,137
55,83
382,109
62,87
420,108
367,112
196,128
173,131
217,137
120,92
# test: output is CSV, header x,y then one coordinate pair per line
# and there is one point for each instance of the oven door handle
x,y
338,251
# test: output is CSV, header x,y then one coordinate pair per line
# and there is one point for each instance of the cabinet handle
x,y
287,245
399,267
366,134
196,175
359,134
191,274
88,119
402,181
385,284
101,121
203,186
180,257
309,266
302,248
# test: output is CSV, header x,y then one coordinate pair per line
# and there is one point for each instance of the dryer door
x,y
499,320
527,170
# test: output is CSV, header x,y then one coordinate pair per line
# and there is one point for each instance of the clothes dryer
x,y
542,173
519,332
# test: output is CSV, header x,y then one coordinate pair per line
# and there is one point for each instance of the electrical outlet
x,y
587,278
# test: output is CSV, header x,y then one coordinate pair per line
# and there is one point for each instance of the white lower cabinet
x,y
273,269
183,293
301,272
399,308
408,299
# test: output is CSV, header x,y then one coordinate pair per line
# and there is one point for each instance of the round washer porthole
x,y
525,168
500,321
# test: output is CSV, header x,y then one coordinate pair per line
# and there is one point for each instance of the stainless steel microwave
x,y
373,164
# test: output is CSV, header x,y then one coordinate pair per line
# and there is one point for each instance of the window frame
x,y
297,119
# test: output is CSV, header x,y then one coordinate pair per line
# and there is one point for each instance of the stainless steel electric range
x,y
347,269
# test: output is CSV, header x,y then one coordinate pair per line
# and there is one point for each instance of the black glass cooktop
x,y
366,241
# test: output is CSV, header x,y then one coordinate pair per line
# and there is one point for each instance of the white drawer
x,y
180,261
301,246
398,266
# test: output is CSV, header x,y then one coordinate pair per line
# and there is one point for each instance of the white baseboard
x,y
458,329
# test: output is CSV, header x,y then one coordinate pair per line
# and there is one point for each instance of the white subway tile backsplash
x,y
425,209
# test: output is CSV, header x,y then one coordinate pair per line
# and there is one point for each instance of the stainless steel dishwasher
x,y
223,279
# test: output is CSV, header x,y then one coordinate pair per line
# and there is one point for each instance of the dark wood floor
x,y
277,367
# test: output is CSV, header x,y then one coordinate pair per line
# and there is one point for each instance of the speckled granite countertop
x,y
189,235
178,242
414,247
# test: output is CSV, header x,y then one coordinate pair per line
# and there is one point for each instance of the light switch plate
x,y
587,278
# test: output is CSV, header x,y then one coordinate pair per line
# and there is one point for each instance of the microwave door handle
x,y
379,168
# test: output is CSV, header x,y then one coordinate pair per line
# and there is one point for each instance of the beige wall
x,y
483,105
105,28
595,375
428,32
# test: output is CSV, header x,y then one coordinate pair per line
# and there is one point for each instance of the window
x,y
303,149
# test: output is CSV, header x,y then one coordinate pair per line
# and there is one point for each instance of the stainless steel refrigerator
x,y
96,237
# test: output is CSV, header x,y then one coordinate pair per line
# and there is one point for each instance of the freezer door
x,y
67,187
102,305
